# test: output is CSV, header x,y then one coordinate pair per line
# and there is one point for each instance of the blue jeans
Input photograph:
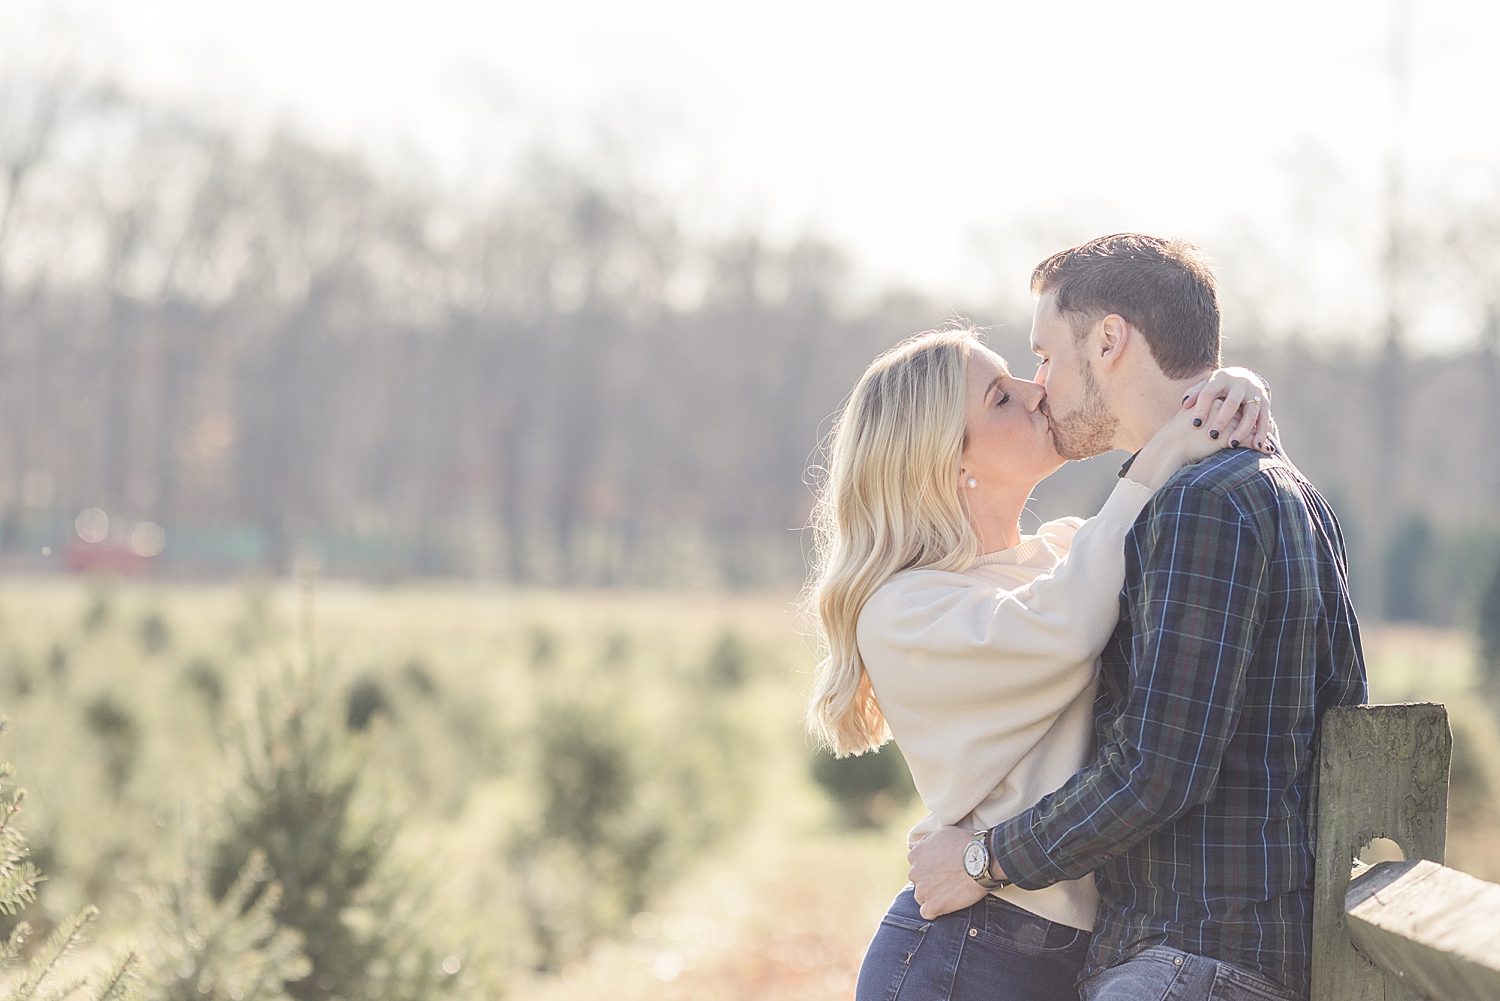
x,y
1165,974
994,951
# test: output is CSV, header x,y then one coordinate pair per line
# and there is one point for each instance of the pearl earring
x,y
973,483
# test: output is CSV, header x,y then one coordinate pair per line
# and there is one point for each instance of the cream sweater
x,y
987,677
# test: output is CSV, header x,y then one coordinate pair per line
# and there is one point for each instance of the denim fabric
x,y
992,950
1165,974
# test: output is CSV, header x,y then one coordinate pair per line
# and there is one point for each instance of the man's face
x,y
1082,424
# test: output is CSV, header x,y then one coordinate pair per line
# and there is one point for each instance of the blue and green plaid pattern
x,y
1236,633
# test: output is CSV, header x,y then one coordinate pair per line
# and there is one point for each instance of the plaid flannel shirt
x,y
1236,633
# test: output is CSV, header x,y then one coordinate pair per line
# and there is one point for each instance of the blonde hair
x,y
889,502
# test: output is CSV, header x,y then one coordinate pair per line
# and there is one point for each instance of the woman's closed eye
x,y
1002,398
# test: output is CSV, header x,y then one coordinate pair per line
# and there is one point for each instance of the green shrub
x,y
155,633
728,661
868,788
19,676
119,737
633,784
57,663
543,645
418,678
206,682
366,698
577,773
618,649
99,612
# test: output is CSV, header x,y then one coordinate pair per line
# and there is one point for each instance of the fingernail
x,y
1185,398
1213,434
1197,422
1234,443
1271,445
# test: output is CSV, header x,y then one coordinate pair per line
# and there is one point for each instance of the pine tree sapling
x,y
18,878
728,661
297,799
230,949
117,732
292,800
43,978
628,791
48,976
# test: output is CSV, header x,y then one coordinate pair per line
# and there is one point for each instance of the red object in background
x,y
107,557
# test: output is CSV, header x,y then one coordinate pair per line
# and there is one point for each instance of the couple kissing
x,y
1111,721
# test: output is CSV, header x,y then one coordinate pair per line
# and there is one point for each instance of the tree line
x,y
271,349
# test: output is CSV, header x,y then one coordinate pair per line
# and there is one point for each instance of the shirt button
x,y
1178,961
973,932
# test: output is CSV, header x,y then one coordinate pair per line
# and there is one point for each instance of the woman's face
x,y
1009,445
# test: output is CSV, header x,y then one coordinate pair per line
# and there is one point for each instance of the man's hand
x,y
937,869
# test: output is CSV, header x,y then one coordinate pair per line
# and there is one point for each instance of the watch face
x,y
976,860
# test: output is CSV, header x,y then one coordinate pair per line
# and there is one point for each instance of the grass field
x,y
127,702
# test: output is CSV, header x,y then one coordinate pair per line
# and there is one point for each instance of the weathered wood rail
x,y
1397,930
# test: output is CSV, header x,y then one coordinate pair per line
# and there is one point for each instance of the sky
x,y
942,144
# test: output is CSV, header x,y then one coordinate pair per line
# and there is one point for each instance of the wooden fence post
x,y
1382,772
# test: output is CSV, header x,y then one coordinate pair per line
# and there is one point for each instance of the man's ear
x,y
1112,336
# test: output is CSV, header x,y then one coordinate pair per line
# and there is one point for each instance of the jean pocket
x,y
889,957
904,923
1234,984
1017,929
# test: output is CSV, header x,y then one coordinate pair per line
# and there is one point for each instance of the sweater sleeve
x,y
1052,625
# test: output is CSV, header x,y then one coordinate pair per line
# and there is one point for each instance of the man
x,y
1235,634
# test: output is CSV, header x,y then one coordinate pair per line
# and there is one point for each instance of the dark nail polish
x,y
1234,443
1271,445
1185,398
1197,422
1213,434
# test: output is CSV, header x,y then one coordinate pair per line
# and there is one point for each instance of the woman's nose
x,y
1035,394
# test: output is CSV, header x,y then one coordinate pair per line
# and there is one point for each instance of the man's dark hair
x,y
1164,288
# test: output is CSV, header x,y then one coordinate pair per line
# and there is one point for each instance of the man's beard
x,y
1090,429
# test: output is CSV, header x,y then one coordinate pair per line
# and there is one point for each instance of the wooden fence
x,y
1395,930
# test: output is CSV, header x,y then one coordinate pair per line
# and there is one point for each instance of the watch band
x,y
984,879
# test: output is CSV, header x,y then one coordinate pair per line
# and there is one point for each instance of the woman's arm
x,y
1047,628
1013,639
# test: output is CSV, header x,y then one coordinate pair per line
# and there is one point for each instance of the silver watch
x,y
977,862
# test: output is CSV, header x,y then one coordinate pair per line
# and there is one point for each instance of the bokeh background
x,y
409,415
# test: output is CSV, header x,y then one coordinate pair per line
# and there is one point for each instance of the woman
x,y
975,646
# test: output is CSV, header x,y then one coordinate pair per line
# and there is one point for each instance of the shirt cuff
x,y
1021,856
1126,500
1133,487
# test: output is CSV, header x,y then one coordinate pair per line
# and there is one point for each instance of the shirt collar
x,y
1032,552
